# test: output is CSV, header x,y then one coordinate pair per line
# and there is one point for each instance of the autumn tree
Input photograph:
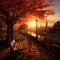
x,y
56,28
11,10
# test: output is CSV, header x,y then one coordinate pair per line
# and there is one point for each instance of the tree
x,y
11,10
8,13
56,27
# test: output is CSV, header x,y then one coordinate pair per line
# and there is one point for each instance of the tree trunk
x,y
9,32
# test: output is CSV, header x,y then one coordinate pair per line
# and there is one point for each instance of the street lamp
x,y
36,31
46,25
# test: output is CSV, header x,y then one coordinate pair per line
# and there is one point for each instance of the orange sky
x,y
29,18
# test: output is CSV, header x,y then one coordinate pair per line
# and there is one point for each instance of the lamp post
x,y
36,31
46,25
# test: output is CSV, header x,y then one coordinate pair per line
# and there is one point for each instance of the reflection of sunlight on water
x,y
33,34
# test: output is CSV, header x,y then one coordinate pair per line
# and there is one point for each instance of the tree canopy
x,y
55,29
18,8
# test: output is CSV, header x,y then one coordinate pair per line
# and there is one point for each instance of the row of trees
x,y
55,29
11,10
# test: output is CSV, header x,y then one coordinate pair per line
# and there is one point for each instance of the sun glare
x,y
32,23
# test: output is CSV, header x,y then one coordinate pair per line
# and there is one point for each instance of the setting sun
x,y
32,23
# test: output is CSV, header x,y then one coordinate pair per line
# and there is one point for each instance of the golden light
x,y
32,23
